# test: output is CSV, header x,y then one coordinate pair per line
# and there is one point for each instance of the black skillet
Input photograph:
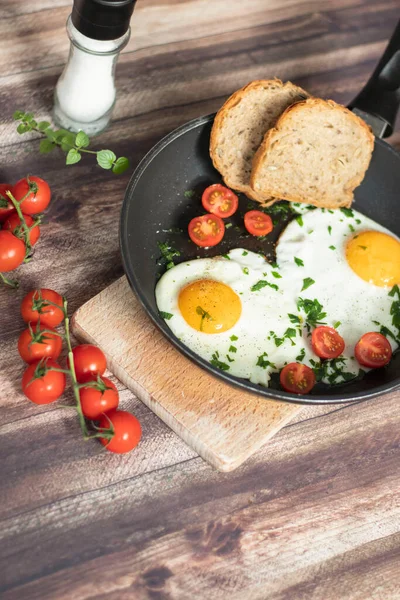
x,y
159,203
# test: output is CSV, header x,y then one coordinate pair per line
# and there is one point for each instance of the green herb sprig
x,y
73,144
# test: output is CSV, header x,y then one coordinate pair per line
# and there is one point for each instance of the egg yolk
x,y
209,306
375,257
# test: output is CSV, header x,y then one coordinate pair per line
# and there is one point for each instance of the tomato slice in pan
x,y
258,223
207,230
373,350
327,342
297,378
220,200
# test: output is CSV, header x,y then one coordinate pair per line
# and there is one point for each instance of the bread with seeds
x,y
317,153
239,128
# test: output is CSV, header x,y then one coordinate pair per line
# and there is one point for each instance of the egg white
x,y
317,240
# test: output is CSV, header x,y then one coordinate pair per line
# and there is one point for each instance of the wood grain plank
x,y
310,496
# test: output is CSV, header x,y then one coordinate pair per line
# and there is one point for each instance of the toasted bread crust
x,y
269,138
219,125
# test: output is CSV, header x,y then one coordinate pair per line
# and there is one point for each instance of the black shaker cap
x,y
102,19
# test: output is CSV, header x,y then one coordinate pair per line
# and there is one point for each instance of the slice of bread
x,y
317,153
240,125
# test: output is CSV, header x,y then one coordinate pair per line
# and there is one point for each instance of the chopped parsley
x,y
229,358
244,253
276,275
274,265
329,229
299,219
226,256
311,231
358,221
232,349
395,309
301,355
307,282
261,284
294,318
313,310
217,363
189,194
263,361
332,370
204,315
363,247
332,247
228,225
351,227
337,324
168,253
298,262
245,270
288,335
165,315
348,212
233,338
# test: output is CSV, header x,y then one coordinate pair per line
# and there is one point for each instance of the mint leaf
x,y
18,115
73,157
46,146
307,282
22,128
106,159
82,140
121,165
189,194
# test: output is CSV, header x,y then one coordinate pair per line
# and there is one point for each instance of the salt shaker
x,y
85,93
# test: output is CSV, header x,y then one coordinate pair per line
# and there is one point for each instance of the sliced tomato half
x,y
258,223
220,200
373,350
297,378
327,342
207,230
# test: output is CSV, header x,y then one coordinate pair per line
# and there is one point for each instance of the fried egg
x,y
251,318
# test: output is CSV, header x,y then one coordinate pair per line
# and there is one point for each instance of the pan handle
x,y
380,97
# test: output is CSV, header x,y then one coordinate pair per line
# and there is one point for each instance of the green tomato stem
x,y
25,227
12,283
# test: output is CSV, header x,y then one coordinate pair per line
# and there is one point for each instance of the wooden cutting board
x,y
223,424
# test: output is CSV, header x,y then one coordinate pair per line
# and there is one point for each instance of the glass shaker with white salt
x,y
85,93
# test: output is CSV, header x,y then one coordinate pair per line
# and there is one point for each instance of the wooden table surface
x,y
314,514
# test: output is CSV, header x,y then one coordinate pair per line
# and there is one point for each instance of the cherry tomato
x,y
89,362
373,350
258,223
39,198
207,230
96,401
6,206
35,306
220,200
43,344
12,251
127,431
327,342
13,224
41,385
297,378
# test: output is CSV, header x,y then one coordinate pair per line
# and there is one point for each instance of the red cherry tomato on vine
x,y
41,385
373,350
207,230
327,342
12,251
35,306
96,401
220,200
6,206
89,362
297,378
38,199
13,224
258,223
43,344
127,431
